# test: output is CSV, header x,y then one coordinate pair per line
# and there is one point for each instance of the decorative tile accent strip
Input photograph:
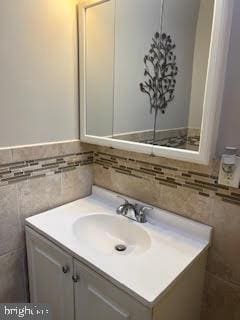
x,y
202,183
31,169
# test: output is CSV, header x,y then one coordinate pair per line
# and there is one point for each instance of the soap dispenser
x,y
229,174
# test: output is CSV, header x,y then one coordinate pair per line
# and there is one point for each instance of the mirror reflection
x,y
146,69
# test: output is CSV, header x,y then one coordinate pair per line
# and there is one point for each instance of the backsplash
x,y
170,174
190,190
32,180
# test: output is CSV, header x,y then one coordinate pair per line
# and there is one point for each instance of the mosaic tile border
x,y
15,172
205,185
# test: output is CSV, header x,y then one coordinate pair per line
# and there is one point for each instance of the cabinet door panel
x,y
104,308
48,283
97,298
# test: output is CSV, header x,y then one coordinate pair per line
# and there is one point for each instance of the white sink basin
x,y
103,232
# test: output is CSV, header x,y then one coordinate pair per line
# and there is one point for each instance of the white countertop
x,y
175,243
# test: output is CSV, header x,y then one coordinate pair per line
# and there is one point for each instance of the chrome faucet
x,y
133,211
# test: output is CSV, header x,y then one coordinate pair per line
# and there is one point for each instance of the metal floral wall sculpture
x,y
160,73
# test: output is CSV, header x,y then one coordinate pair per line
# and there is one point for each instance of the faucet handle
x,y
126,201
122,208
144,208
142,214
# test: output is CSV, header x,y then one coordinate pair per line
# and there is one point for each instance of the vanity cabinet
x,y
74,291
162,281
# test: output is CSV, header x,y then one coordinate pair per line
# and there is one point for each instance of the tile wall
x,y
32,180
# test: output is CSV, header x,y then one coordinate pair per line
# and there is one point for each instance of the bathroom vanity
x,y
74,264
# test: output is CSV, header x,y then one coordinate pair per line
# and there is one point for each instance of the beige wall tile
x,y
74,147
12,278
10,229
187,203
5,156
77,183
38,195
221,300
139,189
34,152
224,258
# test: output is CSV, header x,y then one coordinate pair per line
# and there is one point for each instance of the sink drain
x,y
120,247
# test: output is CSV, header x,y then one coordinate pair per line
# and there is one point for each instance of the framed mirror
x,y
152,74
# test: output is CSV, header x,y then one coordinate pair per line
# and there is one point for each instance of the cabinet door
x,y
50,276
98,299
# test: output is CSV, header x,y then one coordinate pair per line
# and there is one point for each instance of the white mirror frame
x,y
221,30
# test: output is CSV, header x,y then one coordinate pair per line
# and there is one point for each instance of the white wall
x,y
38,77
38,90
229,132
